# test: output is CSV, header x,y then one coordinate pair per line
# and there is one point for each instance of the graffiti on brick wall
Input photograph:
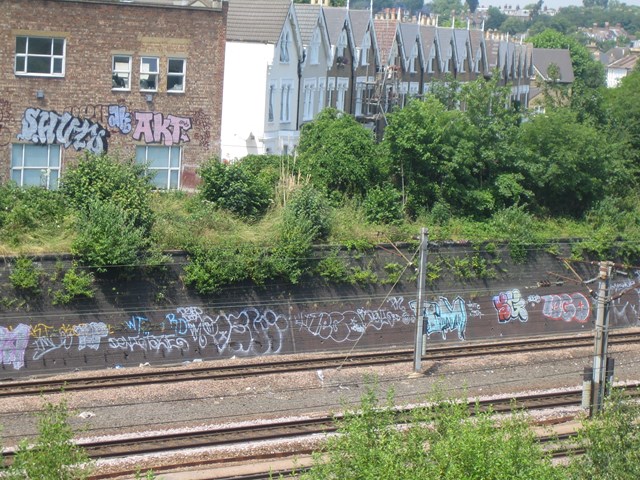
x,y
47,127
81,127
13,344
351,325
203,122
444,317
568,307
510,306
154,127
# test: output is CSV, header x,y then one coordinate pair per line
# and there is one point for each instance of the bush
x,y
309,207
75,283
108,236
102,178
54,454
383,205
25,276
233,188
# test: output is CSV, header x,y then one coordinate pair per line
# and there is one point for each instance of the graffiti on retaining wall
x,y
120,119
44,127
567,307
624,309
444,317
510,306
250,332
85,335
13,344
351,325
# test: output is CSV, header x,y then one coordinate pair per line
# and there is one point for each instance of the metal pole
x,y
601,337
422,274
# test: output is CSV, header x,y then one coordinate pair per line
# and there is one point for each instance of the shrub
x,y
102,178
383,205
75,283
234,188
108,236
54,455
309,207
333,268
25,276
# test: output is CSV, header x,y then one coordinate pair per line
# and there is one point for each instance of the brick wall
x,y
94,32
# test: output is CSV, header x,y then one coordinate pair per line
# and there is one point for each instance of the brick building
x,y
136,78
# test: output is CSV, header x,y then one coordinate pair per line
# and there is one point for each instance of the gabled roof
x,y
361,21
335,16
258,21
307,20
625,63
444,39
428,38
544,57
462,44
409,32
477,48
385,35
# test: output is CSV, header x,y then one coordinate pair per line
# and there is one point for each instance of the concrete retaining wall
x,y
152,317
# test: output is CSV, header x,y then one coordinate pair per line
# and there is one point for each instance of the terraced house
x,y
136,78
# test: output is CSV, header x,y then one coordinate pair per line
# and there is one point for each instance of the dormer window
x,y
285,40
314,47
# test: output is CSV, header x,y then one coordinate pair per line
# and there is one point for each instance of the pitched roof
x,y
257,21
335,17
544,57
385,35
626,63
408,32
307,20
359,23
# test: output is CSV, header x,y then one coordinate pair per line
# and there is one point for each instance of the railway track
x,y
298,430
214,372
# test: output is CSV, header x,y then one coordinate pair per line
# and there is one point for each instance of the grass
x,y
182,219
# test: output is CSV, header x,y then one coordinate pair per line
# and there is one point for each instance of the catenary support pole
x,y
601,337
422,275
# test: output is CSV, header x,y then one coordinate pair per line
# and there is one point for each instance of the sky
x,y
548,3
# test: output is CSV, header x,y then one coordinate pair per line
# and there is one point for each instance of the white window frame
x,y
55,59
308,99
169,169
182,74
364,53
53,162
285,101
322,86
285,40
342,86
117,72
271,96
331,87
144,73
342,44
314,47
414,89
360,84
412,58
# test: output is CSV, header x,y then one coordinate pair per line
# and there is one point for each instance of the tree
x,y
473,5
495,18
235,188
443,8
340,155
565,162
54,455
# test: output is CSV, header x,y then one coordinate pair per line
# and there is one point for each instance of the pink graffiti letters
x,y
13,344
510,306
154,128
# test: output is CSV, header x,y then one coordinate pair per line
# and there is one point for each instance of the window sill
x,y
176,92
120,89
43,75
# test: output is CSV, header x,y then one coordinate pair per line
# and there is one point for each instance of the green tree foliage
x,y
440,443
76,283
495,18
235,188
339,154
563,162
103,178
25,276
383,205
108,235
444,8
472,5
611,441
54,455
623,107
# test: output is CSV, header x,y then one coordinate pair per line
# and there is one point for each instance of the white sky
x,y
548,3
